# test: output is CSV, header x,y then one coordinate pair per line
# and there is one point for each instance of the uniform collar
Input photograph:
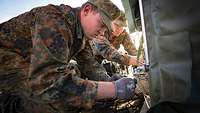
x,y
73,20
79,29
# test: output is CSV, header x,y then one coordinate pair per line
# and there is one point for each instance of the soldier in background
x,y
117,37
35,50
120,36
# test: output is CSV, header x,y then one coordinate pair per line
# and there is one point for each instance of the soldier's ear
x,y
87,9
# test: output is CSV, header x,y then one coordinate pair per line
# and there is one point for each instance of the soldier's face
x,y
117,30
92,23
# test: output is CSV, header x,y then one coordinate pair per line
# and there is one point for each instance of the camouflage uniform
x,y
89,66
108,48
89,59
125,40
123,37
35,49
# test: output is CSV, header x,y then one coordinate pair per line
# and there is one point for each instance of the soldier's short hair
x,y
107,9
121,20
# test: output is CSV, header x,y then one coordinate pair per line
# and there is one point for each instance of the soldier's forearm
x,y
106,90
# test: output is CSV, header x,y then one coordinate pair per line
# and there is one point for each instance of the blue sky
x,y
12,8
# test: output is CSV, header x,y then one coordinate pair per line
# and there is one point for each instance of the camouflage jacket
x,y
108,48
125,40
108,51
39,44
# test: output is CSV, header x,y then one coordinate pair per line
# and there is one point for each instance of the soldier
x,y
36,48
89,59
107,46
120,36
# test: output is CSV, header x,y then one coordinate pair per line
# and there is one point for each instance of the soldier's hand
x,y
133,61
125,88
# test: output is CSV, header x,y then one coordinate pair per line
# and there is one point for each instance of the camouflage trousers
x,y
97,72
89,67
90,64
